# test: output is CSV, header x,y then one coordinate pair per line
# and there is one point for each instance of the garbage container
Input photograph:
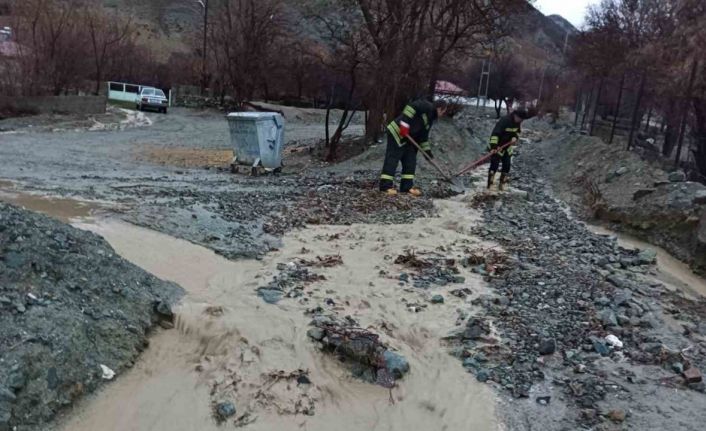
x,y
257,139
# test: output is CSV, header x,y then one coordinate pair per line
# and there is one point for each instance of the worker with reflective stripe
x,y
415,122
506,130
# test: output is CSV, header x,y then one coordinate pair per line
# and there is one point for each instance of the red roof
x,y
446,87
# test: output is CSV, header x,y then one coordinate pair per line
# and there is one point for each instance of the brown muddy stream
x,y
245,339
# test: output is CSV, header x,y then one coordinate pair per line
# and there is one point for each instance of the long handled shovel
x,y
456,183
482,160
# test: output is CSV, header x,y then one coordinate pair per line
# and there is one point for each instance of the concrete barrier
x,y
55,104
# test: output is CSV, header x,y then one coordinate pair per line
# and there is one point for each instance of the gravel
x,y
69,306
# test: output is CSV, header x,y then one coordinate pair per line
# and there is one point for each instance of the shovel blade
x,y
456,185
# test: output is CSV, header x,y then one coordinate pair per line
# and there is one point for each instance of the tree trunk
x,y
636,109
587,106
617,109
649,118
595,109
685,114
699,136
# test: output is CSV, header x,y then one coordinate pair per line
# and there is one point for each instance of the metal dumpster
x,y
257,139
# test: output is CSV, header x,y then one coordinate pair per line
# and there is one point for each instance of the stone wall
x,y
54,104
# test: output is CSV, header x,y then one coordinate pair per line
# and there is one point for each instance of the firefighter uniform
x,y
506,129
420,116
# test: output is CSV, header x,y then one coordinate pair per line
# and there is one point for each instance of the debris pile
x,y
361,349
429,271
289,283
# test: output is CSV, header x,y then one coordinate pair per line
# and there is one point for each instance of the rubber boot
x,y
504,179
415,192
491,178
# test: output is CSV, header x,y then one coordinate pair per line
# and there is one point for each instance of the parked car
x,y
152,98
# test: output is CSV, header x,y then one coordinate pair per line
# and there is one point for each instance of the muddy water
x,y
228,337
66,210
674,273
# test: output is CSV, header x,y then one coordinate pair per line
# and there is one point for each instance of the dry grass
x,y
185,157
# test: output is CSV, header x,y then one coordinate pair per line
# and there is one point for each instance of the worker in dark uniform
x,y
506,130
415,122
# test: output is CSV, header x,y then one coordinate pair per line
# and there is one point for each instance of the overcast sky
x,y
572,10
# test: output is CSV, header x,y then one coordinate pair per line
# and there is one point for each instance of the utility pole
x,y
541,86
204,5
484,76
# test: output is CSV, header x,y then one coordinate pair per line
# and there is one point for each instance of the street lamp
x,y
204,5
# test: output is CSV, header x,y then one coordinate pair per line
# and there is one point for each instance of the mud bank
x,y
618,187
72,313
230,346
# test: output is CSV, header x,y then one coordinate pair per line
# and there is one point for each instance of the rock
x,y
224,410
618,281
699,387
471,363
621,297
17,379
677,177
608,317
270,296
166,324
473,332
617,416
614,341
589,414
621,171
642,193
678,367
647,257
106,373
164,309
600,347
303,380
14,259
623,320
699,197
6,394
547,346
395,364
693,375
544,400
482,375
317,334
437,299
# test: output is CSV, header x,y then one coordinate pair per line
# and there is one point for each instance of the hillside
x,y
170,23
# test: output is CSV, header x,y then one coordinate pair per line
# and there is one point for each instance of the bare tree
x,y
106,32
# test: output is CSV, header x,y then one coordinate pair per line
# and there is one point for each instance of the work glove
x,y
430,154
404,129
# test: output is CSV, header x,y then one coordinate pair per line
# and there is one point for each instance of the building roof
x,y
449,88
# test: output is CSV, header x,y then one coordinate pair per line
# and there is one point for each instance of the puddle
x,y
66,210
246,339
674,273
